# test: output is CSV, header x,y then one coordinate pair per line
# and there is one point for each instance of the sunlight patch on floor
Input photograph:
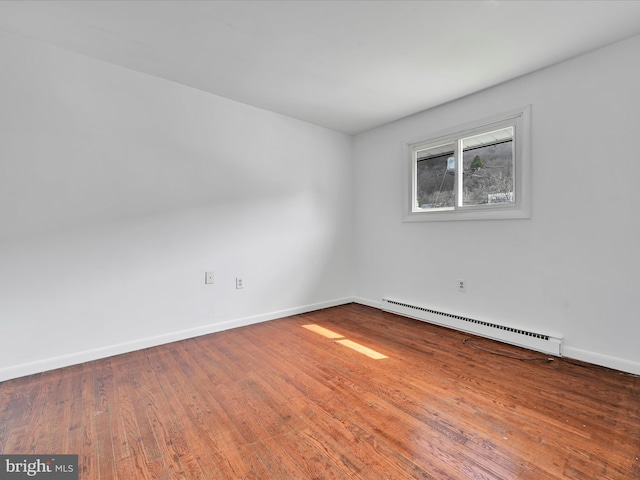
x,y
362,349
325,332
322,331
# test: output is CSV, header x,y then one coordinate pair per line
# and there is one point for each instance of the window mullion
x,y
414,180
459,173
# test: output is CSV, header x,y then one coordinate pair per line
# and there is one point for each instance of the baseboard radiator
x,y
535,341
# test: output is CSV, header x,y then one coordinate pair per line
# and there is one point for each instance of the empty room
x,y
319,240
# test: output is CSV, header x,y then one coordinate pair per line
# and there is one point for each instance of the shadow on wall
x,y
85,282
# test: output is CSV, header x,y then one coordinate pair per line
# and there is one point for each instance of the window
x,y
479,171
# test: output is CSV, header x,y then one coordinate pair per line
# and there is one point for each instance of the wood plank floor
x,y
276,400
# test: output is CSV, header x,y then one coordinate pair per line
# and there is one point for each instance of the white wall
x,y
118,190
572,269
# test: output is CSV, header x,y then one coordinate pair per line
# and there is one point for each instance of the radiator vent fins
x,y
471,320
515,336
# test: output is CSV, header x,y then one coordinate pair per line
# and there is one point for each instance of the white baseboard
x,y
603,360
75,358
39,366
367,302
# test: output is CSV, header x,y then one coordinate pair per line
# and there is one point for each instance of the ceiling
x,y
346,65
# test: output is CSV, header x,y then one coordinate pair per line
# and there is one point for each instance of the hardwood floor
x,y
276,400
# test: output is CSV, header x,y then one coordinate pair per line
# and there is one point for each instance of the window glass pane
x,y
488,161
435,177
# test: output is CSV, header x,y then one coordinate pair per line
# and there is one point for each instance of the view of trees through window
x,y
487,175
435,181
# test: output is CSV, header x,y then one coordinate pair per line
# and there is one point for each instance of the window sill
x,y
506,213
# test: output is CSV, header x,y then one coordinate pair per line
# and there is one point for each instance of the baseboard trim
x,y
603,360
53,363
76,358
367,302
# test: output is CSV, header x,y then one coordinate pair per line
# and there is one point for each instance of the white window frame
x,y
520,119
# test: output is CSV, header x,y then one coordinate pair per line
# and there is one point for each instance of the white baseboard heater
x,y
535,341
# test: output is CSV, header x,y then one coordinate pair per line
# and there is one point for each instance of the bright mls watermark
x,y
49,467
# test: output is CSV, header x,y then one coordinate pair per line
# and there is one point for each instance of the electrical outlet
x,y
462,285
239,283
208,277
